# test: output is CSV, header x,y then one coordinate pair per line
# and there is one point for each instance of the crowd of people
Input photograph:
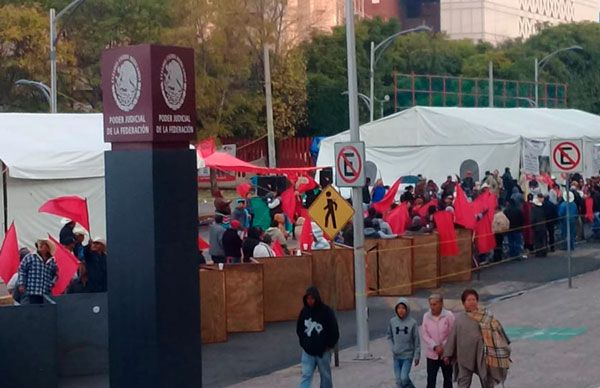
x,y
522,215
38,271
472,342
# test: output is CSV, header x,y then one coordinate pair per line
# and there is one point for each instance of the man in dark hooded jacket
x,y
318,333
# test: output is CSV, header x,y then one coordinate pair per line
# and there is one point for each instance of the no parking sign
x,y
566,155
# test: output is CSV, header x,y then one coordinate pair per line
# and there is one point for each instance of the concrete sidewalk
x,y
555,340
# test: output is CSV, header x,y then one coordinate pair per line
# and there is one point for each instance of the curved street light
x,y
42,87
382,46
540,65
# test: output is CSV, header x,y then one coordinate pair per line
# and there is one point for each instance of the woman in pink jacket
x,y
437,324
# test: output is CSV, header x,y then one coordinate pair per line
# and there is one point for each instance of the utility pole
x,y
270,129
491,84
360,283
53,100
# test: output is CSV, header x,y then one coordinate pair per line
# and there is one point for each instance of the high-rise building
x,y
489,20
497,20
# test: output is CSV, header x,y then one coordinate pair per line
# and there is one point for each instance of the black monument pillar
x,y
151,211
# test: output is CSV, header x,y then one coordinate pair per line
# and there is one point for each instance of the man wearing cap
x,y
37,273
95,264
232,243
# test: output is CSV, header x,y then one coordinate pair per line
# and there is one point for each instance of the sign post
x,y
360,282
567,157
151,191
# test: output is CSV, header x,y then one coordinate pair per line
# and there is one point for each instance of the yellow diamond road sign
x,y
331,212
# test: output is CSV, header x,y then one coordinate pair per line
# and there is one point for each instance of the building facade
x,y
497,20
492,21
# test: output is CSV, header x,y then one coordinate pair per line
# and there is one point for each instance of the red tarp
x,y
225,162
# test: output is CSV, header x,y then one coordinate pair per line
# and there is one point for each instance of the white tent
x,y
436,142
45,156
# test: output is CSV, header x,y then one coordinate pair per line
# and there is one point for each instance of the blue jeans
x,y
402,371
309,363
515,242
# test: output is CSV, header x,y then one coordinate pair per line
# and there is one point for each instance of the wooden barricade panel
x,y
395,267
426,261
458,268
213,306
333,275
245,297
344,279
285,282
372,260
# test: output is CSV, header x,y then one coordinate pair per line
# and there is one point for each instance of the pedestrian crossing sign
x,y
331,212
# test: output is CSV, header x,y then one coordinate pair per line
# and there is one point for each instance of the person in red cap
x,y
232,243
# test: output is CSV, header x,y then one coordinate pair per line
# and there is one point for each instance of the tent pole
x,y
4,196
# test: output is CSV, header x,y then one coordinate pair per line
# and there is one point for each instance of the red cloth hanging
x,y
444,222
589,209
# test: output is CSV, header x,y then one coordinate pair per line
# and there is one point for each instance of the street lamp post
x,y
42,87
540,65
53,42
373,62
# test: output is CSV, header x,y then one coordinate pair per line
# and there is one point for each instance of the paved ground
x,y
246,356
555,335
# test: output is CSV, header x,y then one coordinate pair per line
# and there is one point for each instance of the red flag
x,y
589,209
9,255
386,202
206,147
243,189
424,210
484,237
67,267
288,203
547,179
71,206
463,210
202,244
311,184
444,221
306,236
277,249
398,218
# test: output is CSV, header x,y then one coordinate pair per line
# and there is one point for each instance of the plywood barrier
x,y
395,268
372,260
244,297
285,282
333,275
213,309
426,261
458,268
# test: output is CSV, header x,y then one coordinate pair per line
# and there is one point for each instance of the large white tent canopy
x,y
436,141
46,156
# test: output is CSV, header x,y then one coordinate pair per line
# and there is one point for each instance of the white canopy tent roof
x,y
50,155
435,141
52,146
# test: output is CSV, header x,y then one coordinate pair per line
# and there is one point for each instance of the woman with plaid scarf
x,y
477,345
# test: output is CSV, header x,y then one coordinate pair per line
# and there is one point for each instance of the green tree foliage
x,y
24,55
435,54
228,37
